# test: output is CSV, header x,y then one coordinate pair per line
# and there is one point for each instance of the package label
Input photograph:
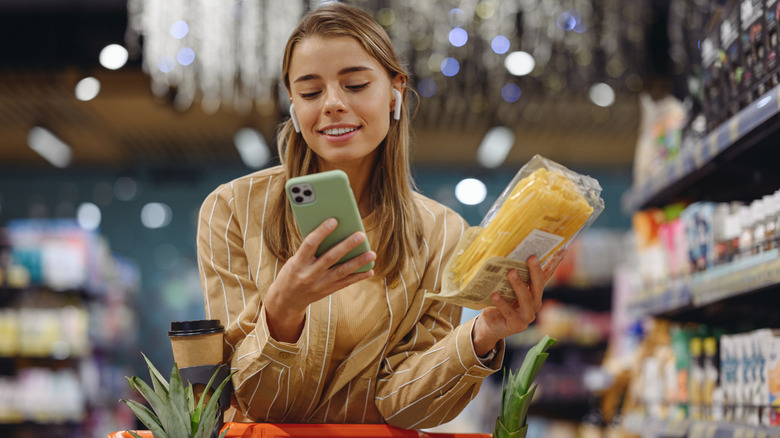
x,y
538,243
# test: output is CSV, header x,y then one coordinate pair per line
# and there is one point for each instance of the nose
x,y
334,101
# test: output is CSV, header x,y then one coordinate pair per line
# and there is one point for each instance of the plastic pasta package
x,y
541,211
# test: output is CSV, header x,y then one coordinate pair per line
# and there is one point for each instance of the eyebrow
x,y
343,71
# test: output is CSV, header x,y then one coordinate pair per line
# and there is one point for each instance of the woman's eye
x,y
310,95
357,87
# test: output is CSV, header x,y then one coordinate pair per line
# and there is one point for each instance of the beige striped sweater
x,y
370,353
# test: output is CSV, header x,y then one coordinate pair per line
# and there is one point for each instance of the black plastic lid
x,y
197,327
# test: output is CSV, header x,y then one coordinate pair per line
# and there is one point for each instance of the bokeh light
x,y
450,67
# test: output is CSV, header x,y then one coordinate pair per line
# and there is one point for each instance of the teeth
x,y
338,131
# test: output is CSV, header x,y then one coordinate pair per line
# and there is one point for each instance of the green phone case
x,y
331,196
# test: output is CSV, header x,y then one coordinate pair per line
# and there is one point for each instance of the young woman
x,y
313,342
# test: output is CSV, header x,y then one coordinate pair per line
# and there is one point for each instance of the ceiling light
x,y
179,29
470,191
511,92
458,37
426,87
450,67
113,56
252,148
495,146
125,188
500,44
156,215
88,216
87,89
602,94
47,145
185,56
519,63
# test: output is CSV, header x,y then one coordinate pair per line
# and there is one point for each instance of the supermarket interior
x,y
119,117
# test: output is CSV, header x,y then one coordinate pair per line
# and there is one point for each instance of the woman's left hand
x,y
505,319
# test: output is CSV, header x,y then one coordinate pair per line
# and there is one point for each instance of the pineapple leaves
x,y
209,416
518,391
148,418
174,411
177,403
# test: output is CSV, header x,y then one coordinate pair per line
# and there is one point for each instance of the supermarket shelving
x,y
736,159
734,162
724,292
704,429
77,345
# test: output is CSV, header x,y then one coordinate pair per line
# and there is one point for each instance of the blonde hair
x,y
400,229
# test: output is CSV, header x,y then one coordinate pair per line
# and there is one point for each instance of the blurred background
x,y
118,117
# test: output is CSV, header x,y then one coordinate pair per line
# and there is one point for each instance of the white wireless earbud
x,y
398,101
294,118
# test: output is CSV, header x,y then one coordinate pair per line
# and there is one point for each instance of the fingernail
x,y
494,297
331,223
358,237
514,275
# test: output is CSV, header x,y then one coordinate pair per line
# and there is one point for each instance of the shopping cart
x,y
268,430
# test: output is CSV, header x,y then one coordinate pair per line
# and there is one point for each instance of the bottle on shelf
x,y
746,231
759,225
773,202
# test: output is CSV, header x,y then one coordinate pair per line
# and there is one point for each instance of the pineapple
x,y
518,392
174,413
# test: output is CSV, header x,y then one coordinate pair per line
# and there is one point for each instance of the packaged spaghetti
x,y
542,210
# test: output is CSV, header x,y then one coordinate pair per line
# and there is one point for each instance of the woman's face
x,y
342,99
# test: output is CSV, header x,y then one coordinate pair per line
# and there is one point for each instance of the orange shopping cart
x,y
268,430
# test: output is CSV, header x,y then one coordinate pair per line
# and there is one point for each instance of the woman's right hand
x,y
305,279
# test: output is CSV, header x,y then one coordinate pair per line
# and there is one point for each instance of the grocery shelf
x,y
706,429
692,173
716,285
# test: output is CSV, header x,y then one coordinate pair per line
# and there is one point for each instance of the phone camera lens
x,y
296,190
299,199
307,193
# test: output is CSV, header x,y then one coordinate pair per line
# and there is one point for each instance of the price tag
x,y
734,129
778,97
698,153
739,432
713,144
750,433
710,431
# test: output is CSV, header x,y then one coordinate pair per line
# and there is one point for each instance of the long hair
x,y
400,230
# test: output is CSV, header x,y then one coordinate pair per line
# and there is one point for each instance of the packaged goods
x,y
541,211
753,47
732,68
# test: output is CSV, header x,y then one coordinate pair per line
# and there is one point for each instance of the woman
x,y
313,343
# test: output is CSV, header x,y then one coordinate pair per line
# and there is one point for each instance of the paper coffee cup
x,y
196,343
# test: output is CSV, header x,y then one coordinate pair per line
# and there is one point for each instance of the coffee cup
x,y
196,343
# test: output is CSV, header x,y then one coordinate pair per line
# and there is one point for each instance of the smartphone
x,y
320,196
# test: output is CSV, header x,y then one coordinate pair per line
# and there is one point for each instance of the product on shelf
x,y
694,372
710,235
712,94
732,68
65,321
771,11
753,49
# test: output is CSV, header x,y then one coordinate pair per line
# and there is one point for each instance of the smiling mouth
x,y
338,131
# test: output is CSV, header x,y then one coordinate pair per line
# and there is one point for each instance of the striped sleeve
x,y
267,372
433,372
